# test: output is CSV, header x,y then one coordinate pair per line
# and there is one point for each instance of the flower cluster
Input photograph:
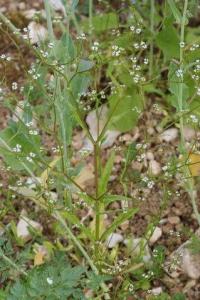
x,y
116,50
4,57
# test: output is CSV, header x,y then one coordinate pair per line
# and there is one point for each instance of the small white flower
x,y
138,30
17,148
14,86
49,280
82,36
50,45
182,44
95,46
179,73
32,154
33,132
194,119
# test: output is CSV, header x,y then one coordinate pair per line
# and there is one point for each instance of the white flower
x,y
95,46
17,148
82,36
14,86
37,32
179,73
49,280
138,30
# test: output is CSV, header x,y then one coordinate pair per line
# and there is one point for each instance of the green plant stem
x,y
82,250
97,202
90,14
190,182
49,21
10,262
152,13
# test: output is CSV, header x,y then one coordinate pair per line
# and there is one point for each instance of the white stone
x,y
150,155
191,264
95,126
183,260
114,239
169,135
157,291
156,235
154,167
188,133
37,32
57,5
136,245
23,227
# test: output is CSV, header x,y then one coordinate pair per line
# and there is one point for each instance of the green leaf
x,y
123,107
102,22
106,174
75,220
179,296
118,221
64,49
2,295
168,41
112,198
85,65
95,281
175,11
56,280
175,84
74,4
17,133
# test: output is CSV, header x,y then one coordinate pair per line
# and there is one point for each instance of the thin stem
x,y
152,37
90,14
190,182
10,262
97,202
82,250
49,21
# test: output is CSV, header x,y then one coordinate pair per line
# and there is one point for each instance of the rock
x,y
189,285
136,166
154,167
183,260
95,126
156,235
136,245
118,159
37,32
114,239
191,264
30,13
85,176
188,133
169,135
58,5
157,291
149,155
23,227
174,220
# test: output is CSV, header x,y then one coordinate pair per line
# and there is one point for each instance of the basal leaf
x,y
168,41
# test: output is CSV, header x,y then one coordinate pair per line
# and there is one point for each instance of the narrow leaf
x,y
106,174
118,221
